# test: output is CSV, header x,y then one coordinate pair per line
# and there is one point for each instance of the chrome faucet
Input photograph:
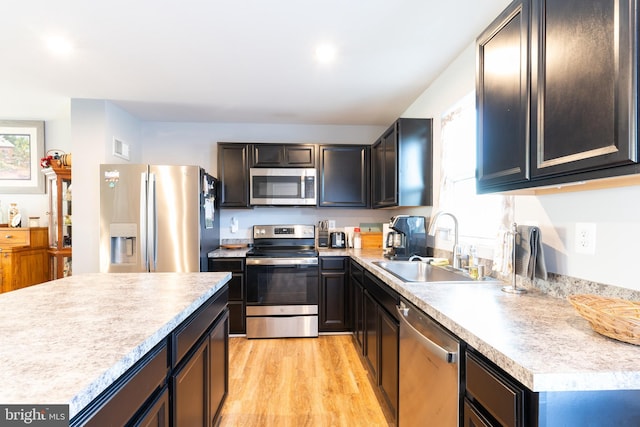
x,y
432,230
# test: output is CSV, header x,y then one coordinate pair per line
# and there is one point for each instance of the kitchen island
x,y
69,340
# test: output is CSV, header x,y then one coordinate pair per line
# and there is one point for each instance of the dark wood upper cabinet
x,y
233,172
503,98
402,160
557,94
284,155
583,80
343,172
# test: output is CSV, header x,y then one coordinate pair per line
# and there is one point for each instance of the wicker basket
x,y
613,317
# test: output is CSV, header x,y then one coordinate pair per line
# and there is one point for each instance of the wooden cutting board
x,y
234,246
371,240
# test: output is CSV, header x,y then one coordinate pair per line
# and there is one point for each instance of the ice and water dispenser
x,y
123,243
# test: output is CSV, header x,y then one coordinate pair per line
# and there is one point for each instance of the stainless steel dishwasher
x,y
429,371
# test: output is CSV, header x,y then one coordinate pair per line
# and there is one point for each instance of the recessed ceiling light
x,y
325,53
59,45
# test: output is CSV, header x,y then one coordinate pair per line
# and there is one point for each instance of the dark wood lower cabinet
x,y
357,304
334,313
237,303
377,331
219,366
158,414
200,386
190,389
371,333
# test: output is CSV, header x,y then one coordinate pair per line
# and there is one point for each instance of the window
x,y
479,216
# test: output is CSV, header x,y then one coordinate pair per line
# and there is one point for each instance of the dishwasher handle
x,y
434,348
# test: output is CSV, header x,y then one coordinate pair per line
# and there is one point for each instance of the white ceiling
x,y
233,60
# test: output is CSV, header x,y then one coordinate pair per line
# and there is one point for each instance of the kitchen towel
x,y
529,254
503,252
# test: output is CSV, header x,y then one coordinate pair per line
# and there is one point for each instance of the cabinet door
x,y
292,155
583,83
358,313
344,176
300,156
388,376
332,302
191,390
233,169
158,414
219,366
503,99
384,172
371,333
266,155
390,175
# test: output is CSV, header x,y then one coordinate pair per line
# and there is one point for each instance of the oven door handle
x,y
284,262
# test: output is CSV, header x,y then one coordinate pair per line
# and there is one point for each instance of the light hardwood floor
x,y
298,382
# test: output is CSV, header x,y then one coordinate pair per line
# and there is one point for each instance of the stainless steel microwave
x,y
282,186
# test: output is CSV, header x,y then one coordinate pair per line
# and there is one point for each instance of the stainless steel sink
x,y
418,271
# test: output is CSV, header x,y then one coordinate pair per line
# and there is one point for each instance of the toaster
x,y
337,239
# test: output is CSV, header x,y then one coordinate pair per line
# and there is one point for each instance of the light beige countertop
x,y
65,341
538,339
228,253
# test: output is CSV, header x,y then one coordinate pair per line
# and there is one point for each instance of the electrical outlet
x,y
586,238
332,224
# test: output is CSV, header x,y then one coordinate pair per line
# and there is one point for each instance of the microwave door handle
x,y
302,192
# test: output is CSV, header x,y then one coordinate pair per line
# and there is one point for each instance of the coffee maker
x,y
409,237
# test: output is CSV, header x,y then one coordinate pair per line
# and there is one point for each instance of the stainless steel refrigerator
x,y
157,218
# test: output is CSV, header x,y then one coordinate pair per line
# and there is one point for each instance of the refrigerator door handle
x,y
152,230
144,255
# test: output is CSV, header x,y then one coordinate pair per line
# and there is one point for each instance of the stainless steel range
x,y
282,282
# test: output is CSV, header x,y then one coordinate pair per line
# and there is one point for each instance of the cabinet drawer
x,y
497,395
333,263
383,295
235,265
357,271
192,329
14,237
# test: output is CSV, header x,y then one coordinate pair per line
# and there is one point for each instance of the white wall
x,y
94,123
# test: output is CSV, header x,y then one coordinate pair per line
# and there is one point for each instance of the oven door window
x,y
276,187
282,285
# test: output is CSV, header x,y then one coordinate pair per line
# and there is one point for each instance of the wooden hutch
x,y
60,219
